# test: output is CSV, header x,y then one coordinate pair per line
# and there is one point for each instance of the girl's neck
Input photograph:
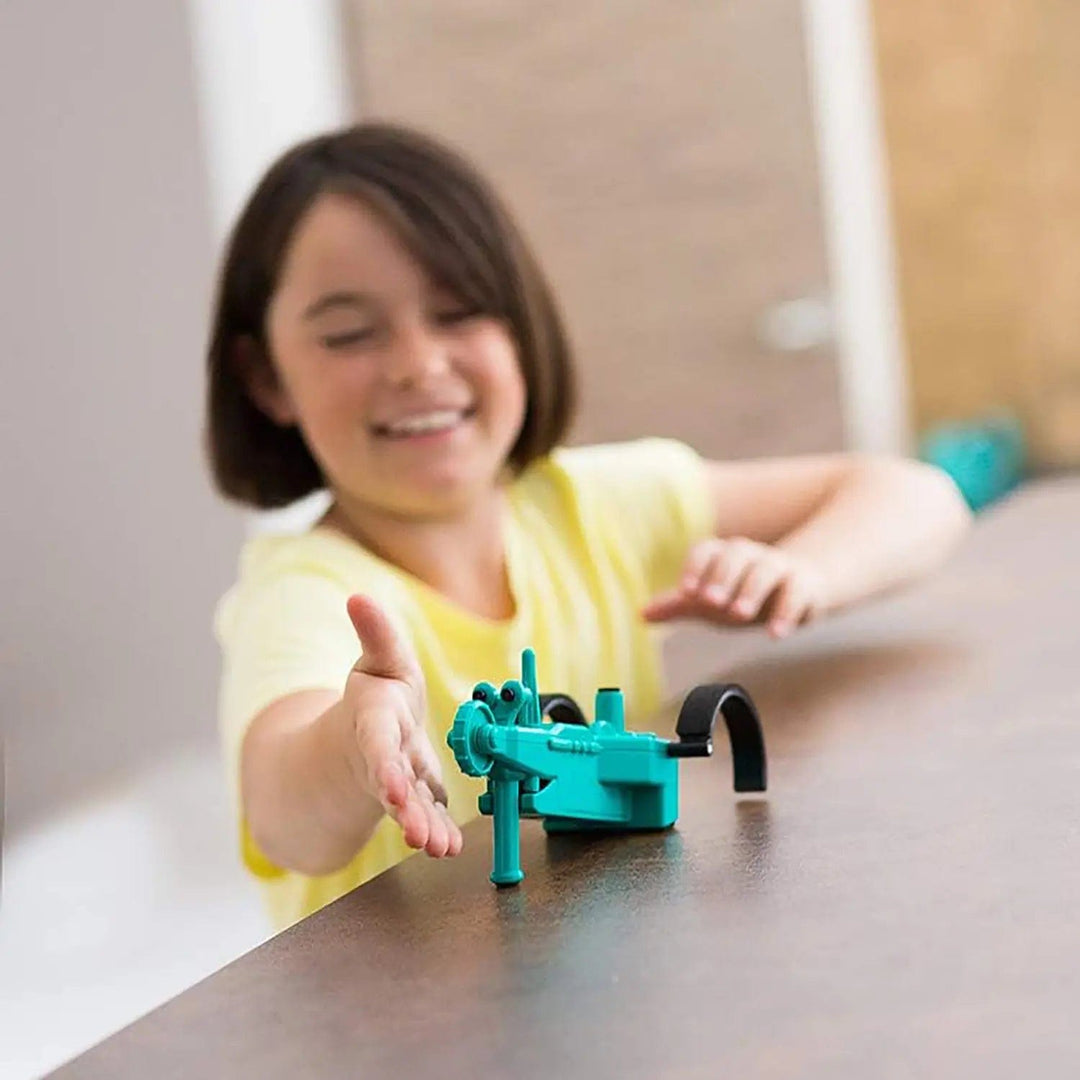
x,y
462,556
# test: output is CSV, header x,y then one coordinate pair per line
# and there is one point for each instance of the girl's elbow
x,y
943,506
955,509
926,489
931,502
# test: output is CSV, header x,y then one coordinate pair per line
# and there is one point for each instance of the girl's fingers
x,y
456,841
424,823
790,608
714,574
390,785
413,820
438,842
426,765
717,569
667,605
394,785
698,560
378,739
730,581
385,652
726,574
759,583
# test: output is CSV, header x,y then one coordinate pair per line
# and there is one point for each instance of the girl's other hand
x,y
385,702
738,581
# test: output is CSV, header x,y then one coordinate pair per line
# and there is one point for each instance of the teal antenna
x,y
528,677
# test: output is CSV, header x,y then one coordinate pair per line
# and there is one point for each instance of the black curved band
x,y
561,709
697,718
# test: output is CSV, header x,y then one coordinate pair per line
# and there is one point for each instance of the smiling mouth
x,y
435,422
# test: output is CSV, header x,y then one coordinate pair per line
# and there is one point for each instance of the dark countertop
x,y
905,900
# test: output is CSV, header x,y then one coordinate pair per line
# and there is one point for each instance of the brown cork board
x,y
979,102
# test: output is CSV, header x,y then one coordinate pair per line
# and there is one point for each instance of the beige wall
x,y
661,158
114,548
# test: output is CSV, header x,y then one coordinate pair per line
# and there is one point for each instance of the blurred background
x,y
775,226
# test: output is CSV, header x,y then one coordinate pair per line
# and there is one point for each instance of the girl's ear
x,y
257,374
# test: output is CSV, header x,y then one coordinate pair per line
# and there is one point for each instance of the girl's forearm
x,y
303,798
887,523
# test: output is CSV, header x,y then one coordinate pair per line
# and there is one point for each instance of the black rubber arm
x,y
561,709
697,718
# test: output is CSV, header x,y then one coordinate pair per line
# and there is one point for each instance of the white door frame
x,y
268,74
855,196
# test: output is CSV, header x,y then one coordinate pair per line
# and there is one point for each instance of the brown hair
x,y
454,225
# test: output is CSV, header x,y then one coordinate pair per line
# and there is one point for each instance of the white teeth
x,y
426,422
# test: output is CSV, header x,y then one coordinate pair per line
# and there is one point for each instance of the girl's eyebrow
x,y
329,301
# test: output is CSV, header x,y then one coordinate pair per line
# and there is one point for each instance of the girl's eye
x,y
348,338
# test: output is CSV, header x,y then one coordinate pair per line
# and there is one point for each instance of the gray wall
x,y
114,547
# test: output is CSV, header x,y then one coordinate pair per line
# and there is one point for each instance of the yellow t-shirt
x,y
591,534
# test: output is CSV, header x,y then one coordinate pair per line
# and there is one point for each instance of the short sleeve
x,y
279,634
651,495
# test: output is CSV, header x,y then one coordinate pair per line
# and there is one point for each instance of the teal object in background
x,y
578,776
985,459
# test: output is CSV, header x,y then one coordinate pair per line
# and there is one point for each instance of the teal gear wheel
x,y
469,720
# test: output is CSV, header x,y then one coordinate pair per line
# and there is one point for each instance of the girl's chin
x,y
445,483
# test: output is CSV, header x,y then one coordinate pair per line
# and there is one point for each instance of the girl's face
x,y
409,401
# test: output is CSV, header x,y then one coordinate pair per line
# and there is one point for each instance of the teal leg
x,y
507,869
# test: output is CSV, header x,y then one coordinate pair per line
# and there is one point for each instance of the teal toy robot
x,y
543,760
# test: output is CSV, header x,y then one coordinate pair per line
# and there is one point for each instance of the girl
x,y
383,331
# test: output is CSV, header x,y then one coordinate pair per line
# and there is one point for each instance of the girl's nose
x,y
418,354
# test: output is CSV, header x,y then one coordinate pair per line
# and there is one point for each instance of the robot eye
x,y
507,693
479,694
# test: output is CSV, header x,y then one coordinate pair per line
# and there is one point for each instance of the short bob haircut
x,y
456,227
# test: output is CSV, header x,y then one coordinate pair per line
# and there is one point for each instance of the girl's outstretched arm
x,y
797,537
318,771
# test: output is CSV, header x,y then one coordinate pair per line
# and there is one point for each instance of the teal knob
x,y
470,720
